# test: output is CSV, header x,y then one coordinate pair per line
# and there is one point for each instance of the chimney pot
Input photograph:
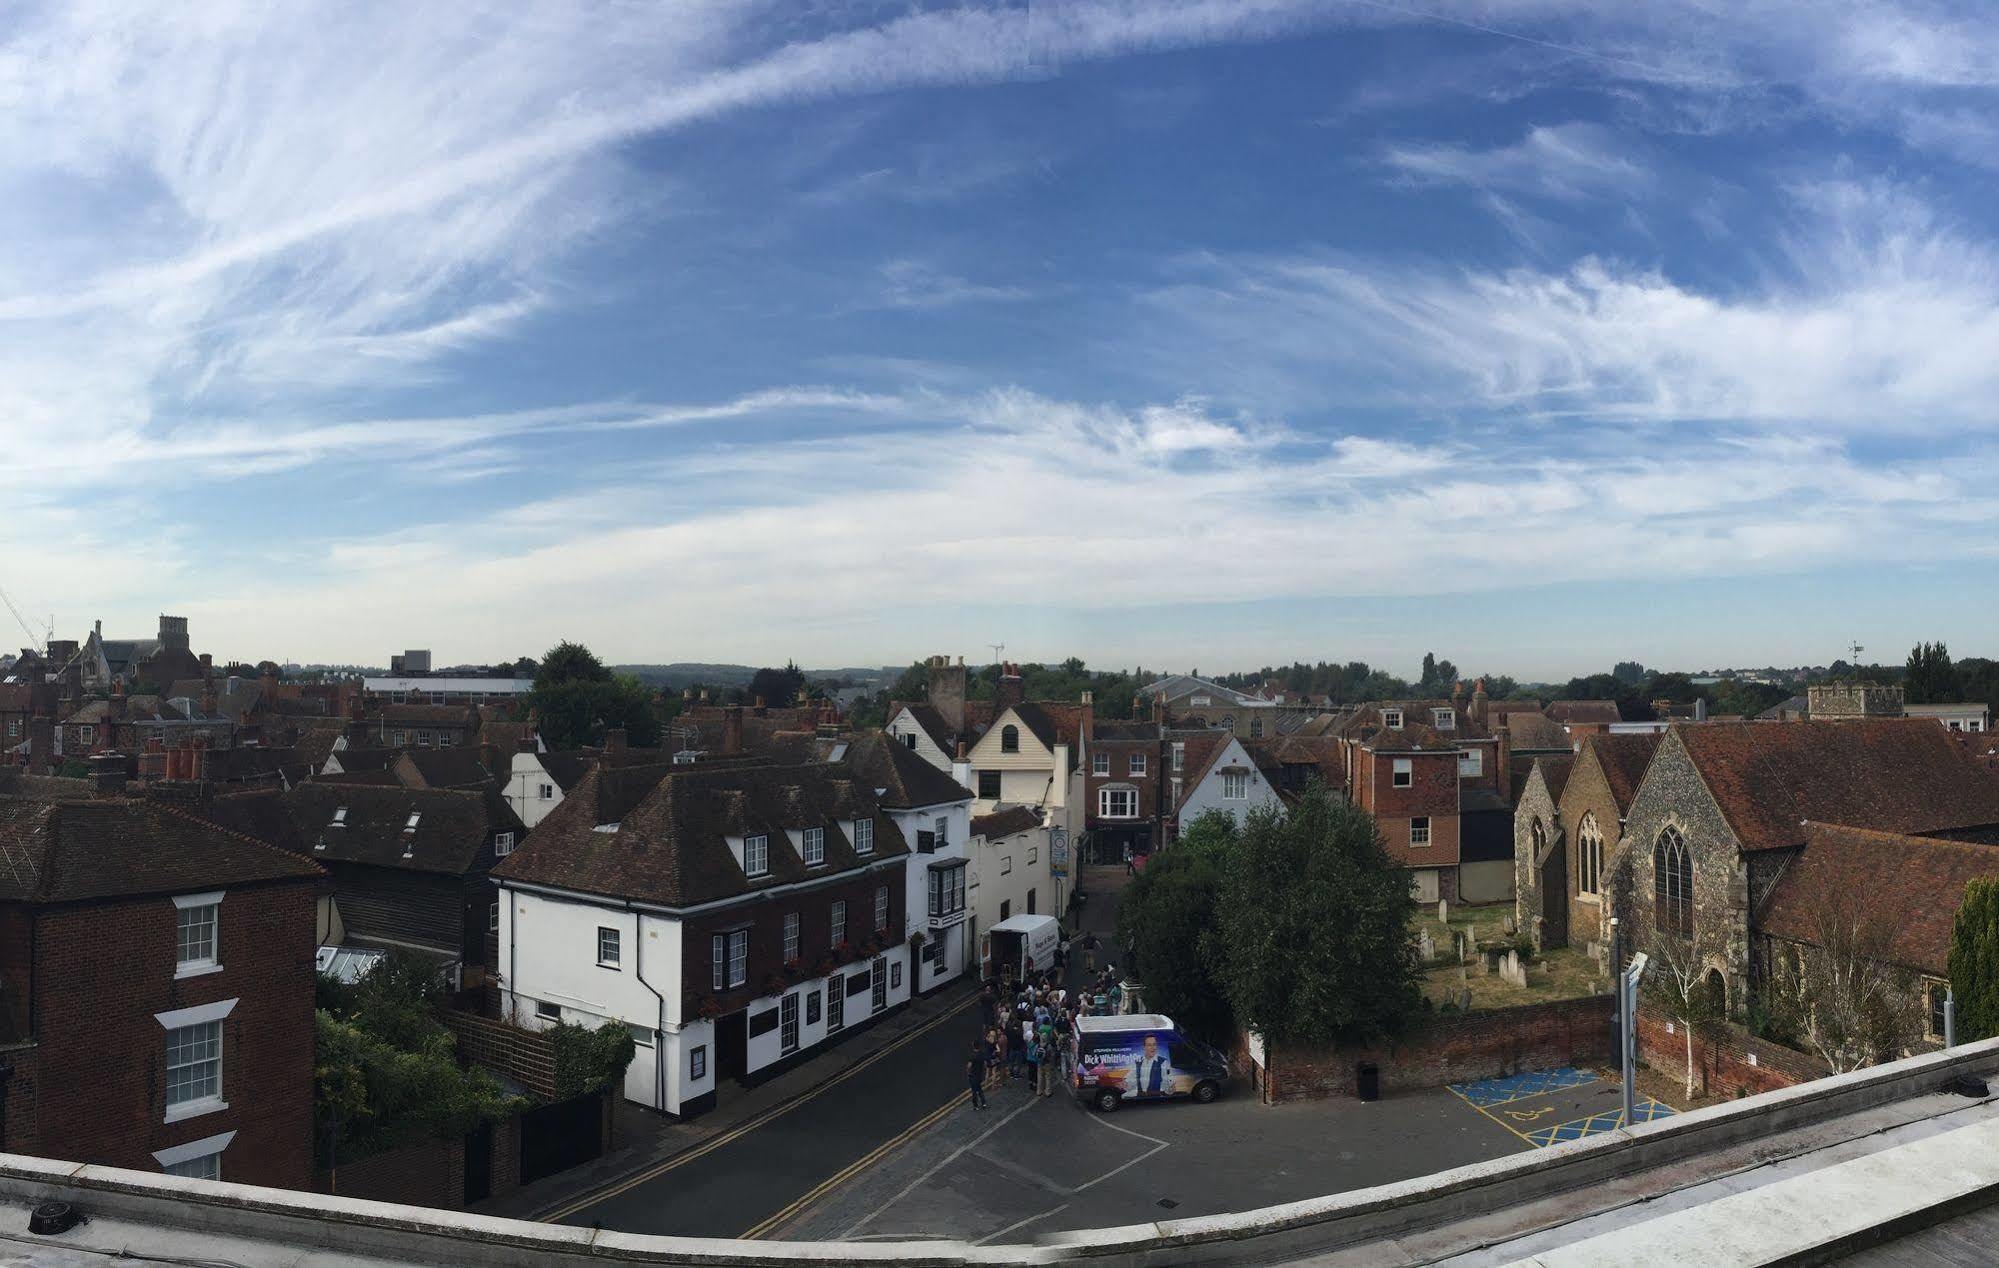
x,y
732,729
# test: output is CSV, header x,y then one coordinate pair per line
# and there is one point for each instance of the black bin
x,y
1367,1081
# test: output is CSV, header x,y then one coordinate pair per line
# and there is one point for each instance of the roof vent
x,y
53,1218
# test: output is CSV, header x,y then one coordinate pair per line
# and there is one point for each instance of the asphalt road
x,y
731,1190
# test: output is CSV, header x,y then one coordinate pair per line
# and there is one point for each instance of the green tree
x,y
1930,678
1315,926
1167,920
777,688
386,1070
1974,961
577,699
1629,672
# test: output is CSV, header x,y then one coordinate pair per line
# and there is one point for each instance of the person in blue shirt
x,y
1151,1074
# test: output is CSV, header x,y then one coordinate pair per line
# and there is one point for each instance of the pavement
x,y
763,1148
1028,1165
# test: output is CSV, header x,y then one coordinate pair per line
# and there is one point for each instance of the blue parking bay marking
x,y
1484,1093
1644,1111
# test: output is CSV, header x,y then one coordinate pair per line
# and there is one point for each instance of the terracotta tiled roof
x,y
1005,822
1536,731
75,851
1895,775
1584,711
1914,883
673,824
1623,759
1321,751
1555,770
1052,721
902,780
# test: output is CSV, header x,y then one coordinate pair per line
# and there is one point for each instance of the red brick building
x,y
157,1008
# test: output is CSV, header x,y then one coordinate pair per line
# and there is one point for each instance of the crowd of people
x,y
1025,1026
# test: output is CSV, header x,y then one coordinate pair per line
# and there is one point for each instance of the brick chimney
x,y
1458,696
1086,721
41,744
758,709
530,741
1506,765
198,759
107,774
946,691
1009,691
614,741
732,729
1159,708
1478,699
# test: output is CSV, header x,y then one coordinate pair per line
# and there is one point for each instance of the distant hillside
x,y
689,674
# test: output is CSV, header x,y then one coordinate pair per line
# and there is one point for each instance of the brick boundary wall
x,y
1442,1050
1723,1068
526,1056
427,1173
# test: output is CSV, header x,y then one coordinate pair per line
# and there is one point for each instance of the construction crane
x,y
39,640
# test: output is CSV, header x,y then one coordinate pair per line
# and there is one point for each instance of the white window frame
x,y
1127,798
547,1010
1419,837
203,1150
1392,719
739,957
1235,786
837,923
881,908
1444,719
756,855
616,945
1100,765
787,1024
815,846
1179,756
503,844
186,1019
864,836
493,919
1471,761
943,831
1138,765
545,792
791,930
185,907
1402,774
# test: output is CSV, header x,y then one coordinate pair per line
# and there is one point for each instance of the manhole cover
x,y
1168,1203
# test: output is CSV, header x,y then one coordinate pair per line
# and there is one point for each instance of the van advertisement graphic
x,y
1137,1063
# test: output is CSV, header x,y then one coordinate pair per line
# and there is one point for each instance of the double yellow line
x,y
854,1168
707,1147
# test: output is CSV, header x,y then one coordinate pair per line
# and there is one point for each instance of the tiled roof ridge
x,y
287,855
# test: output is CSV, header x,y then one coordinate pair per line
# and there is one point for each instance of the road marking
x,y
1490,1117
1018,1223
694,1152
847,1172
1120,1167
1096,1117
955,1154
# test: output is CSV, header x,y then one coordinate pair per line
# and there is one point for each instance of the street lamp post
x,y
1627,1009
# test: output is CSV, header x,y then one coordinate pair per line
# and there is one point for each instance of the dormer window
x,y
815,846
864,836
1392,719
756,856
1445,719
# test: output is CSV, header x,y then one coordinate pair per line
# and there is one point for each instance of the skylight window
x,y
340,816
414,816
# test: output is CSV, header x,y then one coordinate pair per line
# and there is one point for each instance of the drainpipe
x,y
658,1030
513,982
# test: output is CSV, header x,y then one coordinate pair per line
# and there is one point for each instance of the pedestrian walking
x,y
1090,945
1016,1050
975,1074
991,1055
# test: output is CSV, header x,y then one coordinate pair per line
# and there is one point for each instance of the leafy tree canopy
x,y
1167,919
777,688
1974,961
576,700
1314,926
1930,677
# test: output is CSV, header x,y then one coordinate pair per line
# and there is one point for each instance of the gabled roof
x,y
355,760
932,722
143,708
673,823
900,778
1623,760
1111,731
1915,884
1052,721
1555,769
1584,711
566,767
16,782
77,851
358,823
1173,686
1891,774
459,767
1411,737
1537,731
1005,821
1321,751
430,715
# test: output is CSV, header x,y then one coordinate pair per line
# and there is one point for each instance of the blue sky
x,y
1184,334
